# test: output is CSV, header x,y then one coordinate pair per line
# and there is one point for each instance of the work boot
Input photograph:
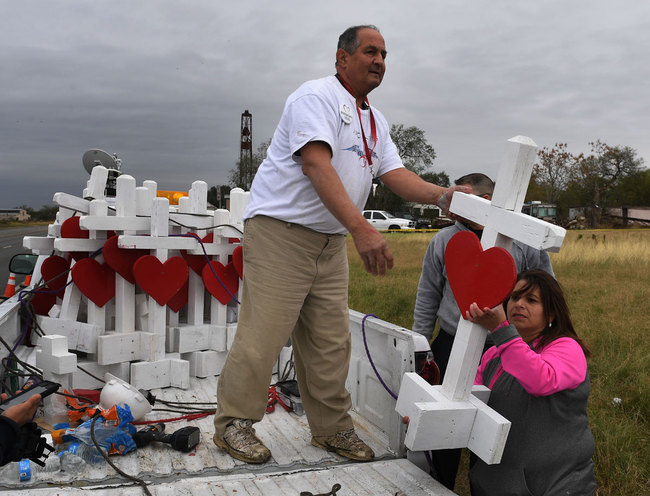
x,y
345,443
240,441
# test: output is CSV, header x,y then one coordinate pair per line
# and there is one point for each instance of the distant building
x,y
627,216
18,214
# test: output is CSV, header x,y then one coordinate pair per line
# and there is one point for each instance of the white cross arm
x,y
435,422
71,202
38,243
193,221
229,232
114,223
73,244
156,242
515,225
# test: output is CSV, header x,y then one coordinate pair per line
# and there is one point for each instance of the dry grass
x,y
606,276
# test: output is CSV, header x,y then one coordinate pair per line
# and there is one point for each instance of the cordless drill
x,y
184,439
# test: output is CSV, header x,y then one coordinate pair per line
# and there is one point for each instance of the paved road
x,y
11,243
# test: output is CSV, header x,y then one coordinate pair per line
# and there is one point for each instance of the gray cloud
x,y
163,84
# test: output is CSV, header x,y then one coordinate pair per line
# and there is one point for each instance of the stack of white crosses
x,y
149,318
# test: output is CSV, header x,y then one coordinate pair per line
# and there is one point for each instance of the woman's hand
x,y
488,317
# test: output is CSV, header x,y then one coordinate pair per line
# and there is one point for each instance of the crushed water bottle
x,y
24,470
77,455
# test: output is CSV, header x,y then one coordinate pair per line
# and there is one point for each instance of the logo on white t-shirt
x,y
346,113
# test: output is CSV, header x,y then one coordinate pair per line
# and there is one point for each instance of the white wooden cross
x,y
452,415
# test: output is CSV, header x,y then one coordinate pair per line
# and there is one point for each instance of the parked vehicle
x,y
382,220
419,223
540,210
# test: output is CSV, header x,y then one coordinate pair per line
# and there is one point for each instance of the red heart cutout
x,y
485,277
121,260
70,229
96,281
179,300
42,302
197,262
227,278
238,261
54,271
160,280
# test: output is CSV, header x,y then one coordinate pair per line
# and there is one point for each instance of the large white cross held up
x,y
452,415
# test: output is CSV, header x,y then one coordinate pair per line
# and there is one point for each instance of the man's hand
x,y
444,202
373,249
24,412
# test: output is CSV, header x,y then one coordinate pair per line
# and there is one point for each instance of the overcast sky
x,y
164,83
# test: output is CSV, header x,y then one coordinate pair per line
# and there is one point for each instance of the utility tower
x,y
246,151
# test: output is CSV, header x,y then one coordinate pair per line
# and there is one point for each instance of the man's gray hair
x,y
349,40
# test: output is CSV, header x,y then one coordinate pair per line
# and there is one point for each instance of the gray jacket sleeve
x,y
526,257
430,289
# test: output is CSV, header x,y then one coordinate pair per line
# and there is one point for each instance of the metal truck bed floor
x,y
296,465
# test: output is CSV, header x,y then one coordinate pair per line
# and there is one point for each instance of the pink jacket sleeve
x,y
560,365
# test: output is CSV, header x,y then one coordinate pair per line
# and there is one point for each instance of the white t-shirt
x,y
320,110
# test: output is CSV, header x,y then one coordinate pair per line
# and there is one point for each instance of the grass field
x,y
606,277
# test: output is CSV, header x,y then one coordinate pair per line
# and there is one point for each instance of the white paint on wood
x,y
450,417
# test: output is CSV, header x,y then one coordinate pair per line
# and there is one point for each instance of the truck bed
x,y
296,466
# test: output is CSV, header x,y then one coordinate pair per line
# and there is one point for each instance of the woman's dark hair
x,y
555,307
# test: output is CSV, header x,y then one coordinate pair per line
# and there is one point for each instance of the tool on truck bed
x,y
184,439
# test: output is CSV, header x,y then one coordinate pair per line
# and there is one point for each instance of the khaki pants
x,y
295,285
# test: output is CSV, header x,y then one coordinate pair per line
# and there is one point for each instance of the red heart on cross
x,y
96,281
42,302
121,260
54,271
225,285
179,300
485,277
197,262
160,280
238,261
70,229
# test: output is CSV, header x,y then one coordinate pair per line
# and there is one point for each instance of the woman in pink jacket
x,y
538,376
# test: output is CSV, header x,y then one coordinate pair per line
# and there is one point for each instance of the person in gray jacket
x,y
435,302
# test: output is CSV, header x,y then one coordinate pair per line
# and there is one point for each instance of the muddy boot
x,y
240,441
345,443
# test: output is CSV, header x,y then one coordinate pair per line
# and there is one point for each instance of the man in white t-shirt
x,y
307,194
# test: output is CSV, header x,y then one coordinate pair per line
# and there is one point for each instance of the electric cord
x,y
372,364
381,380
207,257
174,403
90,374
133,478
197,410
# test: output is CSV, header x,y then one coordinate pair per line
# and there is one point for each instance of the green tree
x,y
413,148
242,176
597,176
552,172
417,155
634,190
217,196
440,178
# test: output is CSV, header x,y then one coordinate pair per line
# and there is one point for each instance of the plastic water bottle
x,y
24,470
75,458
28,468
8,473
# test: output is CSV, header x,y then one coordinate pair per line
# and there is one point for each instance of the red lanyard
x,y
373,126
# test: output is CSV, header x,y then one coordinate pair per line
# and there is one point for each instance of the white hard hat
x,y
119,392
